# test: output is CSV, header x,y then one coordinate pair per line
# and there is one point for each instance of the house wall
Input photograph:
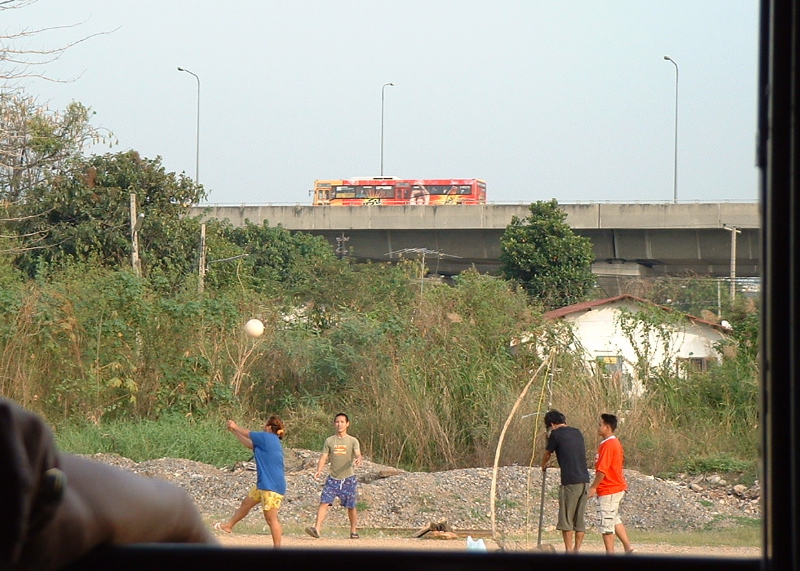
x,y
600,335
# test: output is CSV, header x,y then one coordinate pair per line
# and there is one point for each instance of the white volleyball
x,y
254,328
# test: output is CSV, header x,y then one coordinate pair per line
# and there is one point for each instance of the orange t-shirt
x,y
609,461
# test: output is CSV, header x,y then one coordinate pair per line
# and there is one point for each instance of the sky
x,y
571,100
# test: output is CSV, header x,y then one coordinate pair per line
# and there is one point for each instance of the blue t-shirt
x,y
269,462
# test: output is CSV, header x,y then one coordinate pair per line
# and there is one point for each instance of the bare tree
x,y
36,143
23,61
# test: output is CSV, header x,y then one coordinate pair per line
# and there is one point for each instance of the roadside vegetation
x,y
150,367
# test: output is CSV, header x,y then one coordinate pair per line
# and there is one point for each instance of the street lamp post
x,y
197,149
675,173
383,92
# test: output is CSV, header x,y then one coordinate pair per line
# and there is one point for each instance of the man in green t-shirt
x,y
344,453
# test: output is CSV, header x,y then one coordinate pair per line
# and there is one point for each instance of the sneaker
x,y
312,531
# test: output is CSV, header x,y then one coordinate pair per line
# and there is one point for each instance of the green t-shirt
x,y
341,452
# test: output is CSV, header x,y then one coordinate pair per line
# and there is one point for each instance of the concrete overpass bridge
x,y
629,240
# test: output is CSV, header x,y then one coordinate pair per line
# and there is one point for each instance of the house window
x,y
612,369
691,365
610,364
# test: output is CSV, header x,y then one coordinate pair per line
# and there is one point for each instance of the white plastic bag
x,y
476,545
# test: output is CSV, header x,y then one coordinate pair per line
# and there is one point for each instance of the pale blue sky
x,y
571,100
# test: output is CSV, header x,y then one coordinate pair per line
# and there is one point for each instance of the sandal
x,y
353,536
312,531
218,527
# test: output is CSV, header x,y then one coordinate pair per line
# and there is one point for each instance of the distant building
x,y
617,340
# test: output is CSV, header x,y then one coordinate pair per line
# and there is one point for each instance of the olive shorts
x,y
572,500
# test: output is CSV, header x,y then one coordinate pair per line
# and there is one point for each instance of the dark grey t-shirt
x,y
567,442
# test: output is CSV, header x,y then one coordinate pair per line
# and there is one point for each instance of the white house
x,y
614,335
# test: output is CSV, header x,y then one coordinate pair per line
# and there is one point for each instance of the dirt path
x,y
388,542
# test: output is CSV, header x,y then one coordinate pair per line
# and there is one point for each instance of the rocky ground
x,y
393,499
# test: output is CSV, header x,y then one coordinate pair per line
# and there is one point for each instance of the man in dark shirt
x,y
568,444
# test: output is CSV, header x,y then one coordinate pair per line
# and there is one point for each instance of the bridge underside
x,y
617,252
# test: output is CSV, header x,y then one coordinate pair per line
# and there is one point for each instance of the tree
x,y
546,257
276,256
33,139
36,146
87,216
37,143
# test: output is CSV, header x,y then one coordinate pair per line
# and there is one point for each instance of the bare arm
x,y
321,464
547,453
357,458
598,477
241,434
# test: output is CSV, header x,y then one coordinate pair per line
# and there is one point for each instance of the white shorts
x,y
608,512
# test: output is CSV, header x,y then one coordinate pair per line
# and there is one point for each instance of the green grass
x,y
176,436
478,514
730,532
507,504
737,532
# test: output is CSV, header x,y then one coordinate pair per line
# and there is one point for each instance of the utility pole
x,y
341,251
136,224
201,270
734,231
420,253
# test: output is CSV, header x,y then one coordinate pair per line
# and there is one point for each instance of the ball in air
x,y
254,328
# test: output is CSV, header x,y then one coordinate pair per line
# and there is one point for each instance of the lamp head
x,y
138,224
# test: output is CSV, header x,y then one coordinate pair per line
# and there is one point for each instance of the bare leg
x,y
352,515
608,542
567,535
321,513
579,535
274,526
244,508
619,529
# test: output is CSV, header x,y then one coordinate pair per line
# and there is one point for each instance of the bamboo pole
x,y
500,443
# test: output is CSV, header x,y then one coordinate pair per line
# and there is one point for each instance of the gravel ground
x,y
393,499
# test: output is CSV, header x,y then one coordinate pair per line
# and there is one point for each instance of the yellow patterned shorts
x,y
269,500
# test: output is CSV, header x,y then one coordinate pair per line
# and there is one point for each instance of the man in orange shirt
x,y
609,485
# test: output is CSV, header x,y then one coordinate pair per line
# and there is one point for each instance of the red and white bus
x,y
393,191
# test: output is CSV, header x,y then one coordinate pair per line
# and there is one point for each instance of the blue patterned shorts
x,y
345,490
